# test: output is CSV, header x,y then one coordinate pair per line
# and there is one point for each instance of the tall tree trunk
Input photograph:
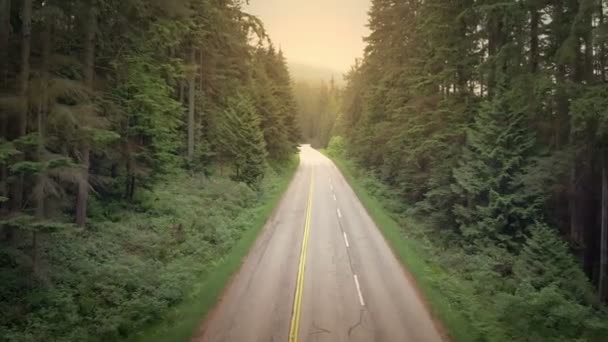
x,y
182,92
83,185
562,108
24,75
576,215
491,75
5,15
35,267
22,89
534,22
603,281
5,25
85,148
40,120
587,37
43,111
602,49
561,100
191,103
461,74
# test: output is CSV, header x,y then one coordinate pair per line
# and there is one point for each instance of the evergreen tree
x,y
242,140
101,99
485,118
318,110
492,204
275,103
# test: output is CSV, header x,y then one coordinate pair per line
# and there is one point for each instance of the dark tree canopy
x,y
104,100
487,119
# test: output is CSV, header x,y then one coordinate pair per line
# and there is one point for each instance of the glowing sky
x,y
324,33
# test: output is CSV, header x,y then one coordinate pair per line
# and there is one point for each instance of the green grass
x,y
183,320
414,258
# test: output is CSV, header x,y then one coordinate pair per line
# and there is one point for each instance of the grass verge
x,y
182,321
407,250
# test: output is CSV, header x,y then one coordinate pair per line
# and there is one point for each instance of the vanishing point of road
x,y
320,271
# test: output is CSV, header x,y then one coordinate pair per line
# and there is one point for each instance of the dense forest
x,y
134,134
139,139
488,120
318,106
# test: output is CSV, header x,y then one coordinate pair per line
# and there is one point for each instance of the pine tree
x,y
242,140
492,207
275,102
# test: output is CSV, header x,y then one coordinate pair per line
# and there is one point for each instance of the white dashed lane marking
x,y
359,291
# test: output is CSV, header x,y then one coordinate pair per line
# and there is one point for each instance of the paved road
x,y
344,285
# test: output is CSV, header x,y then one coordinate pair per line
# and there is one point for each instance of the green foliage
x,y
133,265
491,201
543,295
152,118
486,122
181,321
546,261
318,110
336,146
93,103
242,141
7,151
275,103
552,297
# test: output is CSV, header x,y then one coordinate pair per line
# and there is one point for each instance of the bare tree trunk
x,y
462,79
603,281
24,76
5,15
5,25
83,186
493,48
22,88
35,267
534,21
42,112
182,91
588,55
191,103
602,55
576,216
85,148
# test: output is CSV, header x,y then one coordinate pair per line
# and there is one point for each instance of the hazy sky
x,y
326,33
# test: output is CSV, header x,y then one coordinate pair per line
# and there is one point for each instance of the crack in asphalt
x,y
319,330
360,323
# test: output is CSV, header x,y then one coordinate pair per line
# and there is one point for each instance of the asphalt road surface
x,y
320,271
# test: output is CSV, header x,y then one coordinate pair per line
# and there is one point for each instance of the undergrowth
x,y
543,295
142,266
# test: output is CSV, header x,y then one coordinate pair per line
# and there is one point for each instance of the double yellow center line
x,y
297,301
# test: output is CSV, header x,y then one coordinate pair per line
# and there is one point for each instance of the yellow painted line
x,y
297,300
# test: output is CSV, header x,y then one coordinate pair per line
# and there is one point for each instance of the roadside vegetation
x,y
546,297
480,127
142,146
161,262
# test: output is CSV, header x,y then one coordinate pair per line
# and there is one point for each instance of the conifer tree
x,y
242,140
492,205
93,110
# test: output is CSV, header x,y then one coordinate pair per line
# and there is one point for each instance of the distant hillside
x,y
312,74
